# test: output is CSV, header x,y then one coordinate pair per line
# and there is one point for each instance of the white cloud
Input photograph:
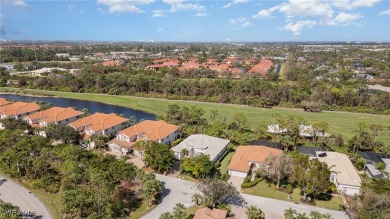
x,y
181,5
235,2
19,3
158,13
70,7
322,12
352,4
201,14
160,29
387,12
296,28
242,21
124,5
343,19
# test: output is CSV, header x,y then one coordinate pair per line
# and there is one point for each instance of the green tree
x,y
290,213
150,189
159,157
311,176
254,213
278,167
218,191
199,165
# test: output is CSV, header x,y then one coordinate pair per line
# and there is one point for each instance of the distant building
x,y
372,160
262,68
62,54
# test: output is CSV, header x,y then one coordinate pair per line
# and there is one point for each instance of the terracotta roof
x,y
55,114
98,121
262,67
245,154
111,63
3,102
19,108
207,213
188,66
152,130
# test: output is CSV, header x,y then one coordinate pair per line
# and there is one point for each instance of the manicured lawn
x,y
225,162
188,178
265,189
340,122
141,211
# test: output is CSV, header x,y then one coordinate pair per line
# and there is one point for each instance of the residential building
x,y
18,110
207,213
3,102
309,151
262,67
249,158
343,173
99,124
147,130
372,160
201,144
55,115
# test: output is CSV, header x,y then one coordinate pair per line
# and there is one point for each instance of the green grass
x,y
52,201
141,211
266,189
343,123
225,162
188,178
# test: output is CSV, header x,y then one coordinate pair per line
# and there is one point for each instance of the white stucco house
x,y
343,174
201,144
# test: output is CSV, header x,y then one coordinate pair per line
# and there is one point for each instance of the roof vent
x,y
323,154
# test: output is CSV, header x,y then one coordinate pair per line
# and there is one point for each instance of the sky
x,y
196,20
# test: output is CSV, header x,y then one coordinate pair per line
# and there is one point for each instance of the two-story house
x,y
54,115
147,130
99,124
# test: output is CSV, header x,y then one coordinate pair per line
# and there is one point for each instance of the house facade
x,y
54,115
99,124
147,130
343,174
249,158
201,144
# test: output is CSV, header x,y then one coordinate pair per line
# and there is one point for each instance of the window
x,y
67,119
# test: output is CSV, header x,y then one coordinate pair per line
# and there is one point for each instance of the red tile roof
x,y
111,63
152,130
19,108
98,121
255,154
55,114
3,102
262,68
207,213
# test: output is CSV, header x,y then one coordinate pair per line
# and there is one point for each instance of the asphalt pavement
x,y
29,204
177,190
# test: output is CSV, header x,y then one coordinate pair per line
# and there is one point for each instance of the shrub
x,y
226,207
249,184
217,164
247,179
289,189
176,142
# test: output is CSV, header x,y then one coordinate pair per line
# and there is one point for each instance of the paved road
x,y
20,196
177,190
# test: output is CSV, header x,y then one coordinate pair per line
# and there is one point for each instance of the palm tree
x,y
166,215
197,199
289,213
254,213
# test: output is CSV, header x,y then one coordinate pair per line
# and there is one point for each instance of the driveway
x,y
137,162
17,195
236,181
177,190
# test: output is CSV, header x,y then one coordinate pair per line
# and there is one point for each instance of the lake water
x,y
92,106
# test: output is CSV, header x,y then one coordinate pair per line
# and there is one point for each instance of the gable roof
x,y
55,114
3,102
152,130
251,153
342,166
206,144
98,121
19,108
207,213
372,157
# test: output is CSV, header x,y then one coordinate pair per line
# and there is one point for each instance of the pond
x,y
92,106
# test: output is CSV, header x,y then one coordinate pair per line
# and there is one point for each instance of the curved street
x,y
17,195
177,190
